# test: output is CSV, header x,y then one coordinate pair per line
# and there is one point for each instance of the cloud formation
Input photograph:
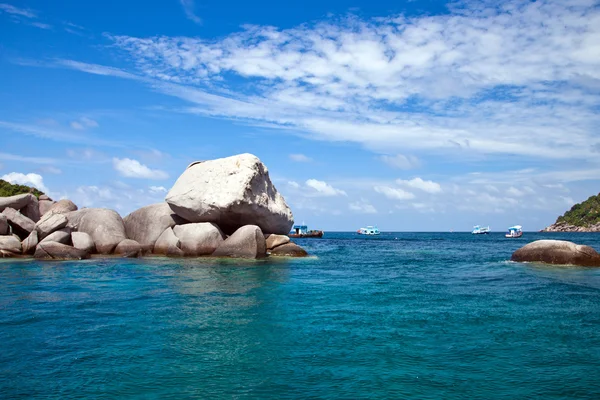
x,y
322,188
418,183
188,8
35,180
300,158
130,168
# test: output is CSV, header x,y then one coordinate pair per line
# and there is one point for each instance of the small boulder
x,y
276,240
231,192
559,252
50,223
17,202
21,225
289,250
59,251
168,244
83,241
4,229
128,248
60,236
246,242
44,206
199,239
103,225
10,244
148,223
44,197
28,245
62,207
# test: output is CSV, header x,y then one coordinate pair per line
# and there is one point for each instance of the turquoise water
x,y
403,315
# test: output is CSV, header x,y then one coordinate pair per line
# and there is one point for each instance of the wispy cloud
x,y
84,123
54,134
300,158
322,188
33,160
400,161
134,169
188,8
23,12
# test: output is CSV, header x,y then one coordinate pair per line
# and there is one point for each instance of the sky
x,y
418,115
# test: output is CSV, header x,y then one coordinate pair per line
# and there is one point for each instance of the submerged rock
x,y
247,242
289,250
559,252
231,192
147,224
199,239
59,251
104,226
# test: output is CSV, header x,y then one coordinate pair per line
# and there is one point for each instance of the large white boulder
x,y
231,192
103,225
200,239
560,252
148,223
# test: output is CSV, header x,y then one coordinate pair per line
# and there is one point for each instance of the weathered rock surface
x,y
128,248
168,244
566,227
83,241
44,206
21,225
199,239
148,223
289,250
276,240
4,229
28,245
62,207
17,202
50,223
10,244
103,225
59,251
246,242
44,197
559,252
60,236
32,209
231,192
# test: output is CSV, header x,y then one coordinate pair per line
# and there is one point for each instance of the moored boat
x,y
302,231
514,232
369,230
480,230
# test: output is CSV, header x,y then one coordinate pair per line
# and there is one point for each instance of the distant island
x,y
582,217
8,189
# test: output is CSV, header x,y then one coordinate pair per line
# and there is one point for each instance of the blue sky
x,y
409,115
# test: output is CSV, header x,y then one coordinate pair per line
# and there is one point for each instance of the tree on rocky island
x,y
584,214
8,189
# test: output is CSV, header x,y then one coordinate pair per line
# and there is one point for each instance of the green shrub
x,y
583,214
8,189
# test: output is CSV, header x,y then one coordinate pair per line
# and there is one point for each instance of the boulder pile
x,y
221,208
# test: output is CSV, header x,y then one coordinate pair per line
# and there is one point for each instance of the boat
x,y
302,231
480,230
369,230
514,232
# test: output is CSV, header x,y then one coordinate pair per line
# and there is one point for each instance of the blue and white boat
x,y
480,230
514,232
369,230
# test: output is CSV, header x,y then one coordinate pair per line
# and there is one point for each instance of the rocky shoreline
x,y
219,208
566,227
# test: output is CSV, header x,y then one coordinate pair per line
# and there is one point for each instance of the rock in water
x,y
200,239
21,225
128,248
168,244
148,223
17,202
246,242
231,192
276,240
289,250
59,251
50,223
103,225
30,243
559,252
83,241
10,244
4,229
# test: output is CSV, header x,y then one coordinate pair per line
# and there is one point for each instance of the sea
x,y
397,316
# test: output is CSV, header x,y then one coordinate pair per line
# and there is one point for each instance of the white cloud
x,y
188,8
420,184
362,206
84,123
33,160
323,188
9,9
158,189
134,169
300,158
294,184
394,193
34,180
401,161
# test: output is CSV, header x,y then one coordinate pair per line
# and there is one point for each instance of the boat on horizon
x,y
480,230
302,231
514,232
369,230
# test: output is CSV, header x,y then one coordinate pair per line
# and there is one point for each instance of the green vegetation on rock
x,y
584,214
8,189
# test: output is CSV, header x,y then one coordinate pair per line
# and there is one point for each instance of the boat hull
x,y
518,235
318,234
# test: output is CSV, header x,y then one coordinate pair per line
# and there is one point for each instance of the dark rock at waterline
x,y
289,250
59,251
246,242
560,252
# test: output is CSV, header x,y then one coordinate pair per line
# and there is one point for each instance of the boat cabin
x,y
300,229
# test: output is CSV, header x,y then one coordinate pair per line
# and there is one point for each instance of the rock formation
x,y
104,226
559,252
199,239
247,242
148,223
59,251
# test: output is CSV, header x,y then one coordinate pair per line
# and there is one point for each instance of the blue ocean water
x,y
402,315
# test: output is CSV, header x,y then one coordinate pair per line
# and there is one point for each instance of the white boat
x,y
514,232
480,230
369,230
